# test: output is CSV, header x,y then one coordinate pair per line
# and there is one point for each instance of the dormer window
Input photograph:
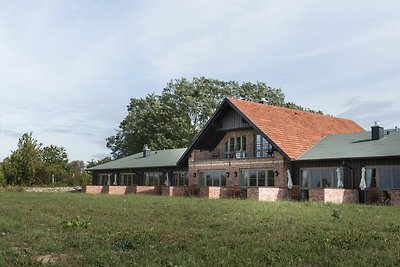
x,y
235,147
263,148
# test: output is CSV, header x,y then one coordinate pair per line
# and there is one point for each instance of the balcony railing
x,y
221,154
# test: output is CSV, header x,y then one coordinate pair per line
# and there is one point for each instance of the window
x,y
320,177
263,148
212,178
104,179
387,177
127,179
257,178
153,178
371,177
179,178
396,177
235,147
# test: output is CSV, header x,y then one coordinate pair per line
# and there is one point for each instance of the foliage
x,y
337,214
124,231
93,162
77,222
172,119
2,178
22,166
34,164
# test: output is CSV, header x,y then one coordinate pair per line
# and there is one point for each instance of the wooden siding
x,y
351,168
232,120
139,173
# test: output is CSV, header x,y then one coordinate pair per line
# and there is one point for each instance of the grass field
x,y
172,231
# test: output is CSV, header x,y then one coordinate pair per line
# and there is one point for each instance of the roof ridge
x,y
289,109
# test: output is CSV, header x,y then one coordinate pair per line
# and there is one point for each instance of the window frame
x,y
262,147
123,179
235,147
312,170
182,181
204,180
378,176
100,180
269,175
150,182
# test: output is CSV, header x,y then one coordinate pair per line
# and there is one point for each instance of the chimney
x,y
377,131
263,101
146,151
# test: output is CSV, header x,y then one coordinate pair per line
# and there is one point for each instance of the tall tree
x,y
54,165
23,164
31,163
172,119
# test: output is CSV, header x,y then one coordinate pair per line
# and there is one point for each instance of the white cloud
x,y
68,69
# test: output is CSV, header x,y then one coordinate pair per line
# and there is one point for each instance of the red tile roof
x,y
291,130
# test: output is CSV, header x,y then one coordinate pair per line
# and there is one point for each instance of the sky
x,y
69,68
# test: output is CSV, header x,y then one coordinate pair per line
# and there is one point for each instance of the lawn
x,y
102,230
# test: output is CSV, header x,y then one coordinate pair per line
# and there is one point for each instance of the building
x,y
253,148
143,172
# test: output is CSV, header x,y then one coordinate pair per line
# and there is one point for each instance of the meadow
x,y
74,229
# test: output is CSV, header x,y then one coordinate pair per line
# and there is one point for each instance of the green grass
x,y
102,230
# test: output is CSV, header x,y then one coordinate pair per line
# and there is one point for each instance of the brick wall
x,y
267,193
333,195
150,190
121,190
277,163
212,192
316,194
215,192
395,196
174,190
94,189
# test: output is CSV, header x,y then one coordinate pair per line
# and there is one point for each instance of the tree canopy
x,y
172,119
34,164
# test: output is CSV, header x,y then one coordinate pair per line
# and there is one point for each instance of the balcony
x,y
221,154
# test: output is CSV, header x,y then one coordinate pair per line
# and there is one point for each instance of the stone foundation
x,y
62,189
333,195
267,193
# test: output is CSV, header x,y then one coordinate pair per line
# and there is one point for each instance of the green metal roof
x,y
158,158
354,145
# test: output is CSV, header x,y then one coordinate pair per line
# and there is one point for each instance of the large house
x,y
260,150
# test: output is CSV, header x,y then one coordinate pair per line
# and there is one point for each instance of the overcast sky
x,y
68,68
